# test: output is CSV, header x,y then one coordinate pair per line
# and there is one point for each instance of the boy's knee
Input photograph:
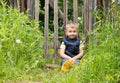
x,y
63,60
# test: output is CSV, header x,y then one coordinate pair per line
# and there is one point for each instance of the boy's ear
x,y
65,31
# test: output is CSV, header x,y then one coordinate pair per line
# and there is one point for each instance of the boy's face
x,y
71,31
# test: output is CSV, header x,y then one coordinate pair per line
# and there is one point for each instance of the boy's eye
x,y
70,31
74,31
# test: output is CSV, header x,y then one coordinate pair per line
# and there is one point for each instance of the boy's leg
x,y
77,61
63,60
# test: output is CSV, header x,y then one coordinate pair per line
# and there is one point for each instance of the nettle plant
x,y
20,38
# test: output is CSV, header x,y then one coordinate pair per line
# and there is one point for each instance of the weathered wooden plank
x,y
75,11
30,7
22,5
92,19
55,28
46,27
86,19
14,3
37,10
51,45
65,12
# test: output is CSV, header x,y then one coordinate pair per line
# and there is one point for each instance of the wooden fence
x,y
65,19
88,18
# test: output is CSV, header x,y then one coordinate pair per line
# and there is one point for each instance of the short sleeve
x,y
81,44
62,45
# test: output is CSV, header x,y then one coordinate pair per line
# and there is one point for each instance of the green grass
x,y
21,53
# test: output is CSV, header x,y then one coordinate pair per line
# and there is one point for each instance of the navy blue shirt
x,y
71,46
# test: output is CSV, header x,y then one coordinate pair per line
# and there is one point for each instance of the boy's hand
x,y
73,60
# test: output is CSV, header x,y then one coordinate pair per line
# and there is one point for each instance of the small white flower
x,y
79,18
18,41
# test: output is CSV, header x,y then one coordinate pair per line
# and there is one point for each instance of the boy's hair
x,y
71,23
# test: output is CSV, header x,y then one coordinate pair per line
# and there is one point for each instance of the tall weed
x,y
20,41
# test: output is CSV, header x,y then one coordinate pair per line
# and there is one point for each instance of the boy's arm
x,y
62,52
63,55
80,54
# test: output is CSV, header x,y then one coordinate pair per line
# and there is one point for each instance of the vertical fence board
x,y
75,10
65,17
37,10
92,7
22,5
86,19
55,28
46,27
30,7
16,4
